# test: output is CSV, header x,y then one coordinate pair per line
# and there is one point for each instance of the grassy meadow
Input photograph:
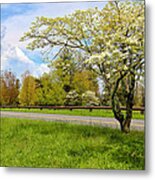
x,y
78,112
27,143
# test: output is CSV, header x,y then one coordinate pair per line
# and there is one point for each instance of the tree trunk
x,y
129,102
125,126
124,121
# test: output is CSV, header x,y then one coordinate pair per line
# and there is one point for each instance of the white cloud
x,y
10,52
14,59
22,57
12,55
40,69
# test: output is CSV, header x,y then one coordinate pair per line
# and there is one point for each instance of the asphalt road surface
x,y
100,121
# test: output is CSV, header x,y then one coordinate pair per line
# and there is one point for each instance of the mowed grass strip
x,y
29,143
78,112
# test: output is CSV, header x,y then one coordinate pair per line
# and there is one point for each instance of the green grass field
x,y
28,143
83,112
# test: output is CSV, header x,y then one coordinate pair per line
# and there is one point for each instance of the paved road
x,y
101,121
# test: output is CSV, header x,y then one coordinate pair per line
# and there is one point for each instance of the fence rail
x,y
142,109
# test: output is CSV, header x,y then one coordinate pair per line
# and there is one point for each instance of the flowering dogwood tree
x,y
122,60
111,42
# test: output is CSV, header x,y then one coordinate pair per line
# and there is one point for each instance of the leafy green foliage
x,y
65,67
9,89
85,80
65,83
139,98
49,90
27,94
28,143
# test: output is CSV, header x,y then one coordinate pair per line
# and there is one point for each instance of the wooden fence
x,y
90,108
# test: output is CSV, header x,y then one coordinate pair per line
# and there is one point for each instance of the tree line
x,y
58,87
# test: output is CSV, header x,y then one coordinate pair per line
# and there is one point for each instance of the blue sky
x,y
9,10
16,19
